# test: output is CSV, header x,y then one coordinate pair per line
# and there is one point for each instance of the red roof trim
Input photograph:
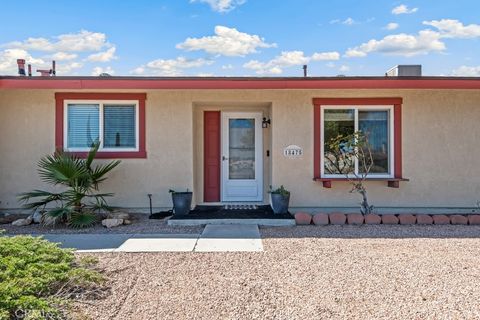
x,y
239,83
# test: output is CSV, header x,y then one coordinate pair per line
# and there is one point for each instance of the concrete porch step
x,y
259,222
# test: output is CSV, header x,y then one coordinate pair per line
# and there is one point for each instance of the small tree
x,y
79,204
343,154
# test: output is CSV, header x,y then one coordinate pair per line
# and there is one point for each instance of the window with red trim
x,y
117,120
380,118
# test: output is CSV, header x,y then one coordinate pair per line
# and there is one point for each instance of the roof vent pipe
x,y
29,70
21,67
305,70
53,68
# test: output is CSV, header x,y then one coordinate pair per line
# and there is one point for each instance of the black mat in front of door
x,y
233,212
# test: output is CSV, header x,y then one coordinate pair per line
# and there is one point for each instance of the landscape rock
x,y
355,218
337,218
474,219
373,219
389,219
118,215
111,223
458,219
23,222
303,218
424,219
48,220
6,218
320,219
127,222
37,216
440,219
407,219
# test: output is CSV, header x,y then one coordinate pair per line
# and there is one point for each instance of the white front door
x,y
242,161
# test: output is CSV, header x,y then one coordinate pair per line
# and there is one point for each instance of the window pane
x,y
119,126
83,125
374,124
241,149
336,122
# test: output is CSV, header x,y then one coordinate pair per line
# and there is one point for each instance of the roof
x,y
74,82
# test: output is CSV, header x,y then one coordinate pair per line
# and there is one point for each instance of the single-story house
x,y
230,138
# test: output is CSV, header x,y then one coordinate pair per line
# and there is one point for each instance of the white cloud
x,y
449,28
227,42
349,21
63,69
81,41
467,71
99,70
403,9
322,56
170,67
62,56
221,6
392,26
205,74
288,59
227,67
8,60
400,44
103,56
344,68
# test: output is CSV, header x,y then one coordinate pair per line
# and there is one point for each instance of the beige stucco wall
x,y
440,154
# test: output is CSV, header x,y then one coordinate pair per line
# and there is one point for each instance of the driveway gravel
x,y
332,272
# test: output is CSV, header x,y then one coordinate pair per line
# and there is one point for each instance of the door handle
x,y
224,158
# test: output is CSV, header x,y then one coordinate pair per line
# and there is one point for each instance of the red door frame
x,y
211,155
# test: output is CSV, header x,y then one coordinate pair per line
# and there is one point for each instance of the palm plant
x,y
80,203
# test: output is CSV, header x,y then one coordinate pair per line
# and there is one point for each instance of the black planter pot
x,y
182,202
280,202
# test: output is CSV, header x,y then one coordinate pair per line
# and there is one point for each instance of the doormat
x,y
161,214
233,212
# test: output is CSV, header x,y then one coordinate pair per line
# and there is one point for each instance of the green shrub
x,y
38,278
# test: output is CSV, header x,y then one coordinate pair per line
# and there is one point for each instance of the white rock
x,y
119,215
110,223
37,216
22,222
48,220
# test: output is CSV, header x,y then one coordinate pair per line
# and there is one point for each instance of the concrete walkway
x,y
214,238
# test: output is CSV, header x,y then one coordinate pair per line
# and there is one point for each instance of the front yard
x,y
333,272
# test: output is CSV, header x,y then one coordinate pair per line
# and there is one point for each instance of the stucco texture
x,y
440,157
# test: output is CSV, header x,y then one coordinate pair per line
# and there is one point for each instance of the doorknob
x,y
224,158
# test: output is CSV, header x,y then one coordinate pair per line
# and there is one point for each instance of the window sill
x,y
391,182
113,154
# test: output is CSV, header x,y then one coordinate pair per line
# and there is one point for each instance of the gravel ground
x,y
333,272
140,224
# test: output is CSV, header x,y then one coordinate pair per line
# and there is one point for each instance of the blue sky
x,y
241,37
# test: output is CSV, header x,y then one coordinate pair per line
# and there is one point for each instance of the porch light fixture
x,y
265,123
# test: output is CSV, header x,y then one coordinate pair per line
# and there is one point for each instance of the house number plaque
x,y
293,151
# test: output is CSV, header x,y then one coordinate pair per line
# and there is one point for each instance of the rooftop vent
x,y
405,70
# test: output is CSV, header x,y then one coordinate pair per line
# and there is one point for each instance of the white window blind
x,y
119,126
83,125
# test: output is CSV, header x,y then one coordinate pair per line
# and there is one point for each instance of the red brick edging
x,y
338,218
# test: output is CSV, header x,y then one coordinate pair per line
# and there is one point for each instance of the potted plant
x,y
182,202
280,199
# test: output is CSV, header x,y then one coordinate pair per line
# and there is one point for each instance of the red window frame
x,y
60,97
397,129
